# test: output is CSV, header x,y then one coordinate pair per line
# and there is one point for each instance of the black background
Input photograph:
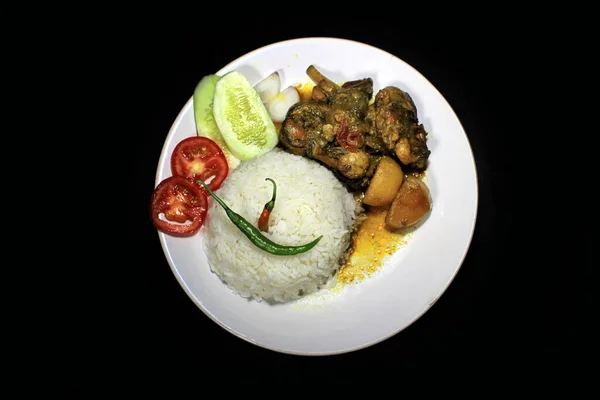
x,y
489,315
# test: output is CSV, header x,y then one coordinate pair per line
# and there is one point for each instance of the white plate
x,y
413,278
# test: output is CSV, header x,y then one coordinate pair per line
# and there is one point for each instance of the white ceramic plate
x,y
409,282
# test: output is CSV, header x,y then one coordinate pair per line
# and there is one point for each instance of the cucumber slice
x,y
242,118
203,116
203,106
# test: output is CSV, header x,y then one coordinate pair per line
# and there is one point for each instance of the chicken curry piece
x,y
341,128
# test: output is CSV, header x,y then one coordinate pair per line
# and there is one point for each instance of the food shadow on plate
x,y
252,74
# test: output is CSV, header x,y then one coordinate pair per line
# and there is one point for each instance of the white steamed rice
x,y
310,202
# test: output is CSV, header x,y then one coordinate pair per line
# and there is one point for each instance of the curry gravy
x,y
305,90
371,243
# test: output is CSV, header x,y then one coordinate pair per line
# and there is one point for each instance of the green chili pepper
x,y
263,220
254,234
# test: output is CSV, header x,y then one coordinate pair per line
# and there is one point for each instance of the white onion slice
x,y
268,87
279,105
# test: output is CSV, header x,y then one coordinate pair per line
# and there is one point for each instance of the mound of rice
x,y
310,202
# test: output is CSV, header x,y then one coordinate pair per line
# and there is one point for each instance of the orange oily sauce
x,y
305,90
372,242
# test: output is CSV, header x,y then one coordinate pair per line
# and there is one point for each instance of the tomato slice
x,y
182,203
198,157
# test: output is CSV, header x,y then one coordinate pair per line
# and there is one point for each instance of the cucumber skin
x,y
205,124
203,97
239,149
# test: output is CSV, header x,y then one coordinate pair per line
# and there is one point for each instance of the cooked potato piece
x,y
411,204
385,183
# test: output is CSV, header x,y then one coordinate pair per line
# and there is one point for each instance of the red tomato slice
x,y
198,157
182,203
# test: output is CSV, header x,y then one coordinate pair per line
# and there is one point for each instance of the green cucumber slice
x,y
242,118
204,118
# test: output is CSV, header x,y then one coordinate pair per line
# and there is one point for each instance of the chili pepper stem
x,y
263,220
269,206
